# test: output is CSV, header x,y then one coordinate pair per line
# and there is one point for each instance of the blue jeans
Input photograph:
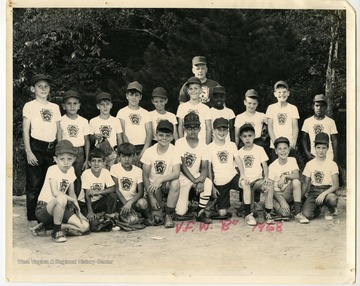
x,y
35,175
310,209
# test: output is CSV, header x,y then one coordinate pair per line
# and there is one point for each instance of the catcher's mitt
x,y
131,218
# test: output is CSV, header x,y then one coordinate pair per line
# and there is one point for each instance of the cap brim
x,y
221,125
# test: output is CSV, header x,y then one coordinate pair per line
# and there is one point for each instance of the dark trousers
x,y
35,175
106,204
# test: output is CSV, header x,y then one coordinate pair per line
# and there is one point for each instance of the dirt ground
x,y
227,251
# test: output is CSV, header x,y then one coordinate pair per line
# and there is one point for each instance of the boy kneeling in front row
x,y
57,192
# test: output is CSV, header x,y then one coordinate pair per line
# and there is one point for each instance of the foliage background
x,y
93,50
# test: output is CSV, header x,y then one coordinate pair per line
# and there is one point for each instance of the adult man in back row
x,y
199,69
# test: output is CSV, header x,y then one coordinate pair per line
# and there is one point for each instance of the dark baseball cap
x,y
320,97
65,146
103,96
251,93
159,92
247,127
281,140
191,119
220,122
322,138
193,79
70,93
281,83
165,125
38,77
199,60
135,85
219,89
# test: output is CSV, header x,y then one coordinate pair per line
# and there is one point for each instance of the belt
x,y
44,143
41,203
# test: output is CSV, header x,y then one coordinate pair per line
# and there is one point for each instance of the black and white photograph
x,y
163,142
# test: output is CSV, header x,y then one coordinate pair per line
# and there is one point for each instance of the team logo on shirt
x,y
46,115
97,187
73,130
204,95
126,183
223,156
318,176
64,184
249,161
135,118
282,118
318,128
189,159
160,167
105,130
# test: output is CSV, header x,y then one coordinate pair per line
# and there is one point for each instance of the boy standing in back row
x,y
282,119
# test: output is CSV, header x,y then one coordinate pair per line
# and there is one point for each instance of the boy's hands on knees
x,y
31,159
243,181
91,216
215,193
98,137
154,203
127,208
154,186
199,187
320,199
267,184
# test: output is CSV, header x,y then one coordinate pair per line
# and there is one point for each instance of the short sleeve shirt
x,y
257,121
74,130
192,156
128,180
43,118
64,180
201,110
206,91
156,117
222,160
282,120
108,128
135,121
252,161
90,182
276,170
160,164
226,113
321,174
312,126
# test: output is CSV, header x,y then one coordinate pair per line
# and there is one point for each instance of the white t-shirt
x,y
282,120
226,113
222,160
63,182
91,182
276,170
74,130
160,164
252,160
312,126
201,110
135,121
257,121
192,156
320,174
43,118
107,127
128,180
156,117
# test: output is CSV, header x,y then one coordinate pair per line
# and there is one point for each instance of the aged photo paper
x,y
321,252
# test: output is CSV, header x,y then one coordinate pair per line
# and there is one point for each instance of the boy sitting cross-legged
x,y
129,183
161,171
194,169
98,193
284,172
254,159
58,193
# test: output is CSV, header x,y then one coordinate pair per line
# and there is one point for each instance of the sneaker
x,y
168,221
39,230
301,218
329,215
269,219
250,220
187,216
32,224
58,237
202,218
116,228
